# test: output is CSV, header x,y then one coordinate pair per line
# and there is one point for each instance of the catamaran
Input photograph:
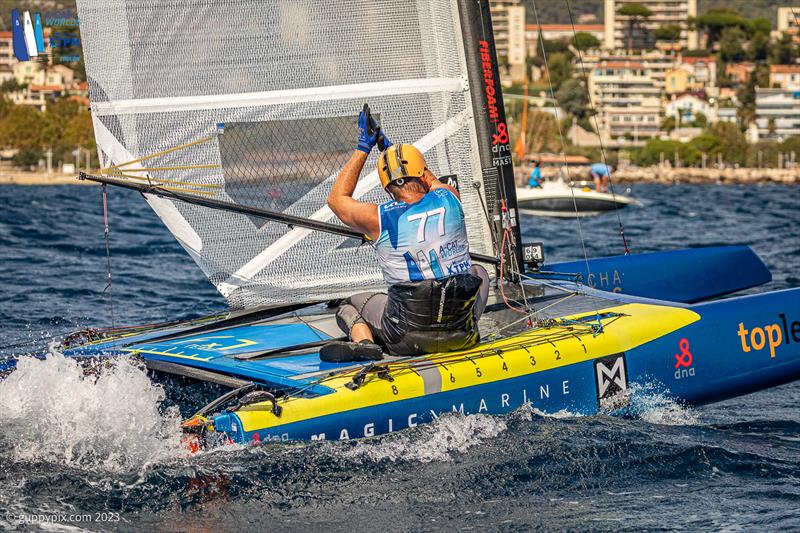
x,y
556,198
233,118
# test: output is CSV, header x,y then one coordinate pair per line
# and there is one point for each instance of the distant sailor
x,y
600,174
535,181
436,295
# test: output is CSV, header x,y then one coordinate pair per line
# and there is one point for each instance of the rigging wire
x,y
108,289
563,143
564,153
597,127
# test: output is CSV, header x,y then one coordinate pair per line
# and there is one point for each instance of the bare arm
x,y
433,184
360,216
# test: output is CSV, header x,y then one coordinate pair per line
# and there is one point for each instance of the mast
x,y
490,125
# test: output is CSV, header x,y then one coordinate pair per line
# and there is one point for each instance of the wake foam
x,y
437,441
649,403
53,410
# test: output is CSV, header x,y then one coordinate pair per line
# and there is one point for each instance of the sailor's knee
x,y
347,316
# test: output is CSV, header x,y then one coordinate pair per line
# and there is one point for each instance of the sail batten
x,y
315,94
278,87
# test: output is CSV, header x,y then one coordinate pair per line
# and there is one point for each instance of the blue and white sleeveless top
x,y
425,240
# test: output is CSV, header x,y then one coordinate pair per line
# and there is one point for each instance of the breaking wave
x,y
108,415
448,435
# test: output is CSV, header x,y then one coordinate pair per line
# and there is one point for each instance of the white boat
x,y
560,199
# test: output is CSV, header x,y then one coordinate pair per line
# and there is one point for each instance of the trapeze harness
x,y
424,254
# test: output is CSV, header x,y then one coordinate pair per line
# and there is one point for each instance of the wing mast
x,y
492,130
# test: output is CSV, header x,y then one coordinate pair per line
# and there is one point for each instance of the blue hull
x,y
739,346
687,276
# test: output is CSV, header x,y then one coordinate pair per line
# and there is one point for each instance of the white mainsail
x,y
164,74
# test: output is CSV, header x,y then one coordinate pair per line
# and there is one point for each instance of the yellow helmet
x,y
400,161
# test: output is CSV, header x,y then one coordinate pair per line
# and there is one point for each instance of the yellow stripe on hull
x,y
527,353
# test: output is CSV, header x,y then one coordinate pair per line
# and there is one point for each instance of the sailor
x,y
535,181
435,295
600,174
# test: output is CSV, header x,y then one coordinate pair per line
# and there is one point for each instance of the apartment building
x,y
655,63
784,76
7,58
627,98
508,21
664,12
789,22
777,113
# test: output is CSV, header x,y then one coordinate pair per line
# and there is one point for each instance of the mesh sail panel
x,y
286,79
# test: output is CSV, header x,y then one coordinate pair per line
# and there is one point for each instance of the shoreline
x,y
666,176
670,176
39,178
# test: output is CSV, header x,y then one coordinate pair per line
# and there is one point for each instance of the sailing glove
x,y
367,131
383,140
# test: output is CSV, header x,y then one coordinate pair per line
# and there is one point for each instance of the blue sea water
x,y
104,448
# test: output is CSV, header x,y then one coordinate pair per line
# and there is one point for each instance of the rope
x,y
599,137
108,288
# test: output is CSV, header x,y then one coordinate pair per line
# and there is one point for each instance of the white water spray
x,y
53,411
433,442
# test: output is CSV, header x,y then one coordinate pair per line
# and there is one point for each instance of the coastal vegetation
x,y
64,127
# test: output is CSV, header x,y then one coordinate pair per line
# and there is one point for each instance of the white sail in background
x,y
287,79
30,35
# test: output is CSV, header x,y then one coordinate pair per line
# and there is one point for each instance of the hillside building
x,y
691,74
687,108
508,22
665,12
789,22
777,113
740,73
784,76
627,98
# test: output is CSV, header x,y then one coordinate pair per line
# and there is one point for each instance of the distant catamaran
x,y
234,139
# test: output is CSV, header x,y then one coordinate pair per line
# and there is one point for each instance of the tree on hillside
x,y
560,69
713,22
783,52
758,49
730,44
573,98
636,13
668,124
761,25
585,41
668,32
